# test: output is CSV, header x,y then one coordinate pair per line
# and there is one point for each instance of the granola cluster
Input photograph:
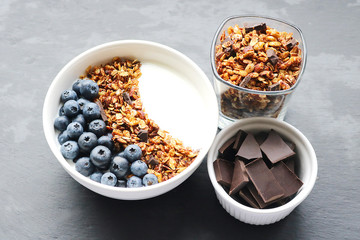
x,y
123,111
257,58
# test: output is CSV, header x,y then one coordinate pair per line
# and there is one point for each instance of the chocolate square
x,y
275,148
249,149
286,178
239,179
248,197
240,136
143,135
223,171
256,196
264,181
226,150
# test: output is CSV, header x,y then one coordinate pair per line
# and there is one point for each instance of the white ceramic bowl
x,y
175,92
306,169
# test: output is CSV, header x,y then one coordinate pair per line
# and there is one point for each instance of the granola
x,y
257,58
125,116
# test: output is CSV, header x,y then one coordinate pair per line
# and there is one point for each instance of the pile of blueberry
x,y
85,140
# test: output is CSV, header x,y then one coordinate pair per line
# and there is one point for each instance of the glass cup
x,y
237,102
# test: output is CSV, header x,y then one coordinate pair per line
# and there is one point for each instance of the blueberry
x,y
61,111
71,108
87,141
84,166
150,179
68,95
139,168
109,179
134,182
121,183
80,119
132,152
98,127
100,156
76,86
96,176
121,154
91,111
69,150
61,123
89,89
63,137
119,166
82,102
106,141
74,130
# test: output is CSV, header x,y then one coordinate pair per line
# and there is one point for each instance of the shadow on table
x,y
191,211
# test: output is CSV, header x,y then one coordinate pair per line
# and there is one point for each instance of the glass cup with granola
x,y
257,64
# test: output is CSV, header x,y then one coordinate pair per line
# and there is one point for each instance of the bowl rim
x,y
305,189
278,92
90,184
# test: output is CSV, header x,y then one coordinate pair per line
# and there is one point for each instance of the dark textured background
x,y
39,200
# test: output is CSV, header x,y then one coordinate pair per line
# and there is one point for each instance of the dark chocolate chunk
x,y
291,43
260,137
153,161
286,178
143,135
291,145
255,194
274,87
271,54
245,81
240,136
249,149
226,150
275,148
102,112
290,163
264,181
239,179
260,28
126,98
223,171
247,196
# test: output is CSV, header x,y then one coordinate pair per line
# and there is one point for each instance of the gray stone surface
x,y
39,200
